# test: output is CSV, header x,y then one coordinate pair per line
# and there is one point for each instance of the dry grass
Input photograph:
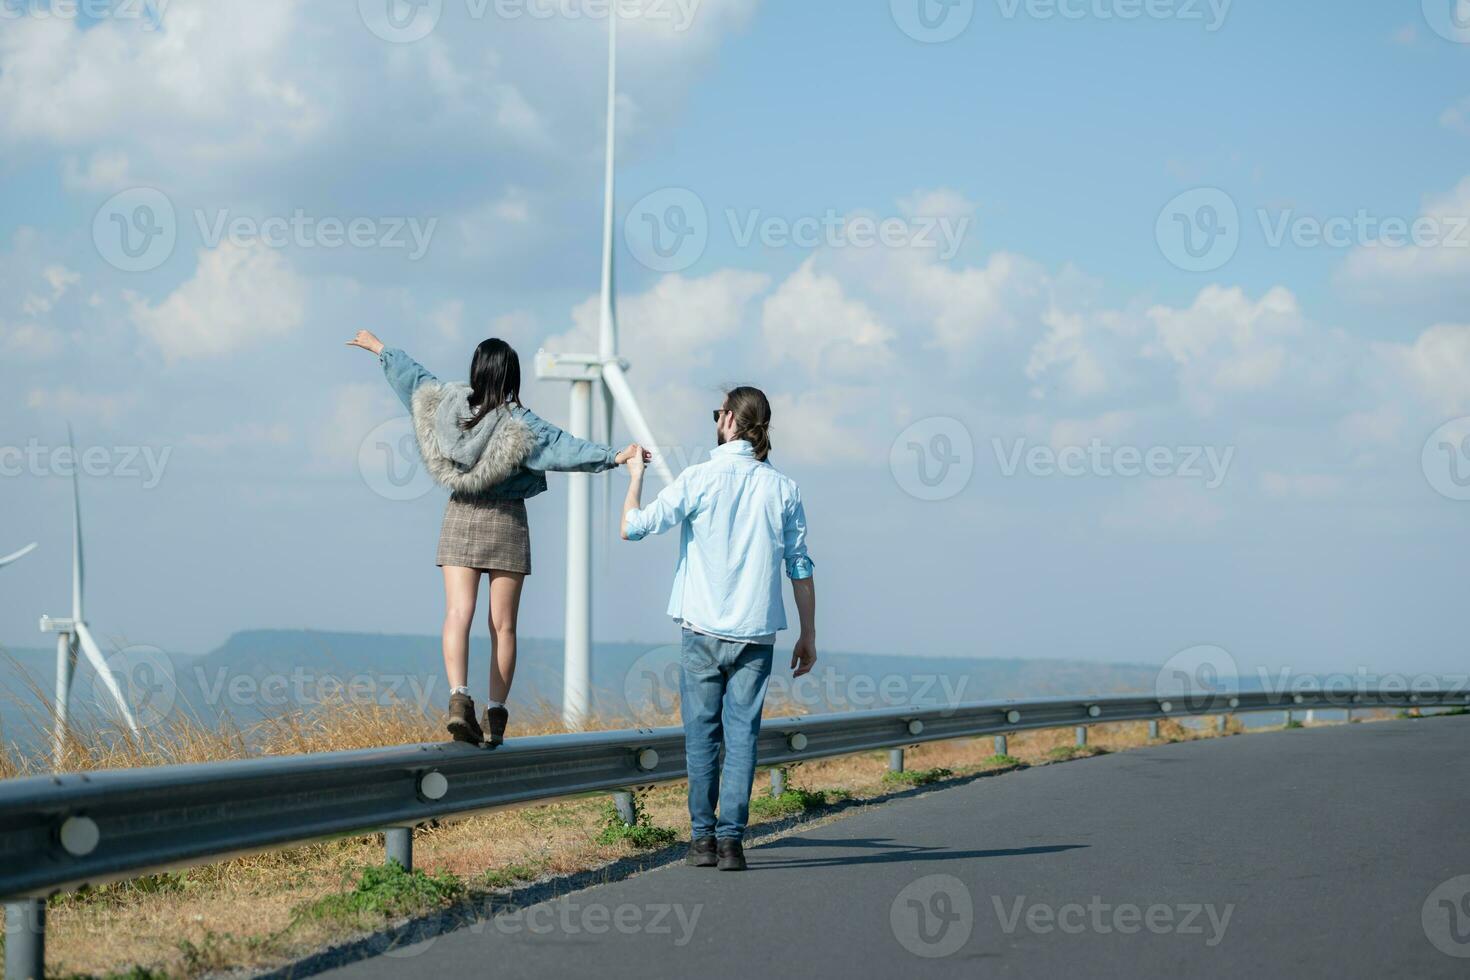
x,y
255,912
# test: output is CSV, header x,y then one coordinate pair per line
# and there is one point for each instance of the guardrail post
x,y
778,782
1081,736
623,803
1153,730
1288,717
895,760
398,842
25,939
1000,745
1222,723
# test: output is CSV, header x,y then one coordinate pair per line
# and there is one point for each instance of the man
x,y
740,521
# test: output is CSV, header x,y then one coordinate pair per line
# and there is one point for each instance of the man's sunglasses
x,y
718,412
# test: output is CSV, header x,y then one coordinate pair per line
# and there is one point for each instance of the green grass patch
x,y
1000,760
1062,753
1294,724
135,973
918,777
386,891
641,834
511,874
121,892
795,801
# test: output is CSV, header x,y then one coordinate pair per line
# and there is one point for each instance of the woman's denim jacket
x,y
545,447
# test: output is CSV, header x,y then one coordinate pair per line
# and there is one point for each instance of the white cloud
x,y
1226,341
1436,366
942,202
677,326
973,305
677,323
60,279
215,77
1084,353
238,297
810,320
29,340
825,425
1437,268
498,226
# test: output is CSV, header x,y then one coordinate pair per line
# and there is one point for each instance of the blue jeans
x,y
722,688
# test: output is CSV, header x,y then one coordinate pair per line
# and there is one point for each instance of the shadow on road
x,y
883,849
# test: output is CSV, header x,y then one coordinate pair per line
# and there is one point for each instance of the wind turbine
x,y
73,633
608,371
17,556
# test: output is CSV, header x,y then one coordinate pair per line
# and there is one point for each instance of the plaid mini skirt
x,y
485,533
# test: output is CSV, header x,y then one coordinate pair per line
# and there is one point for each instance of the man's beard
x,y
719,438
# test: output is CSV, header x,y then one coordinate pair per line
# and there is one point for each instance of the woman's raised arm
x,y
404,374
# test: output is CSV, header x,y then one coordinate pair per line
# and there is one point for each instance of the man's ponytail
x,y
752,418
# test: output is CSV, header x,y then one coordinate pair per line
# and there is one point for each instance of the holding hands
x,y
635,457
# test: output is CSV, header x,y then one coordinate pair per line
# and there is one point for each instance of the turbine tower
x,y
608,371
73,633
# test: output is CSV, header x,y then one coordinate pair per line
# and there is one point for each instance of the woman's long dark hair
x,y
495,380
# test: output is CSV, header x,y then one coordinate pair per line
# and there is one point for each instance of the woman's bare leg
x,y
461,590
505,604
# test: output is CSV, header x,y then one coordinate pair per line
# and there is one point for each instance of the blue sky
x,y
1054,151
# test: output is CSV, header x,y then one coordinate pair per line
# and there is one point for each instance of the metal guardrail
x,y
63,831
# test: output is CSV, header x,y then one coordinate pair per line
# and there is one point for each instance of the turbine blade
x,y
99,664
76,530
607,340
617,383
8,559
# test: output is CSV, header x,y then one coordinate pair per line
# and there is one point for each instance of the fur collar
x,y
510,443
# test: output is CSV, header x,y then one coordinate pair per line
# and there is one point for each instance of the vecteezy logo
x,y
933,459
651,685
1198,675
135,230
1446,917
1199,231
145,678
1446,459
667,231
1450,19
933,917
400,21
389,462
932,21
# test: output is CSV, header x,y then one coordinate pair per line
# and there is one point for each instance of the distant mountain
x,y
258,673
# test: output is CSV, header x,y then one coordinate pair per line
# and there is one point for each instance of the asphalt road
x,y
1319,852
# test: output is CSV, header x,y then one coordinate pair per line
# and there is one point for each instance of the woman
x,y
491,452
